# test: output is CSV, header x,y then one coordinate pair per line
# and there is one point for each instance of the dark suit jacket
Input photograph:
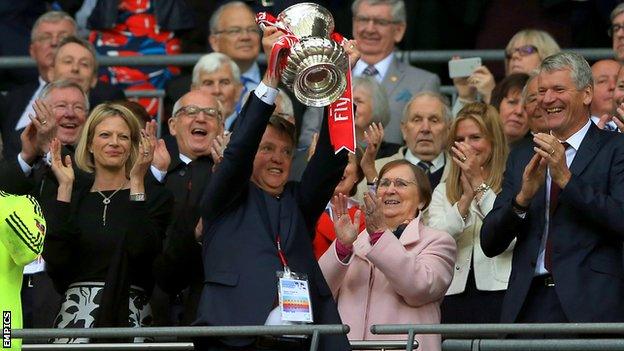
x,y
586,232
179,266
15,104
239,251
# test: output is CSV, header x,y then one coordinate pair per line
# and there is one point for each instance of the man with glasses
x,y
60,111
196,122
233,32
378,25
616,32
47,37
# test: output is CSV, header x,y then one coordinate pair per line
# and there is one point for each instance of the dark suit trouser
x,y
261,344
40,302
541,306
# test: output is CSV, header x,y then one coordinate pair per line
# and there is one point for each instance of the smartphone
x,y
463,67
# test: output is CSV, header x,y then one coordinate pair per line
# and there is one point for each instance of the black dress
x,y
104,268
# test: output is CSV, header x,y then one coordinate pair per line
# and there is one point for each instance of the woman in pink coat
x,y
397,270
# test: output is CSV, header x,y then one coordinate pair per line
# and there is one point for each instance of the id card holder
x,y
293,291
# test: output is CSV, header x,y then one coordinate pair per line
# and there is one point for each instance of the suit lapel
x,y
393,76
586,152
286,218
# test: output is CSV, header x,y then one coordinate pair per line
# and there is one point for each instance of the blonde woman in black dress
x,y
105,227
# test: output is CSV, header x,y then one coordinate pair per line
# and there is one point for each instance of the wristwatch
x,y
373,182
137,197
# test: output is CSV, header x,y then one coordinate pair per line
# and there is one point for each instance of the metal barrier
x,y
498,330
187,332
175,346
413,56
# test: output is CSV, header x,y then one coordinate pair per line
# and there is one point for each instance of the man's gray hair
x,y
380,104
213,24
398,8
212,62
532,75
580,72
63,84
446,105
51,16
617,11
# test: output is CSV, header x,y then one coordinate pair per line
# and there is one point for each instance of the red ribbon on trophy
x,y
341,119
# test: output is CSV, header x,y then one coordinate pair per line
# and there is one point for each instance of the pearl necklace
x,y
106,200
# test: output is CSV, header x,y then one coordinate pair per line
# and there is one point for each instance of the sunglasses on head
x,y
523,50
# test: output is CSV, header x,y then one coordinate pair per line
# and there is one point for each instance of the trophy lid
x,y
307,20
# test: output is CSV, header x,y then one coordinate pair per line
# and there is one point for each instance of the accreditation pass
x,y
294,299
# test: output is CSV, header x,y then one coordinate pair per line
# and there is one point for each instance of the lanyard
x,y
264,214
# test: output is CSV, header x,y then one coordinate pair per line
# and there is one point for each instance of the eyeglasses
x,y
238,31
524,50
614,29
399,183
362,21
63,107
47,38
193,111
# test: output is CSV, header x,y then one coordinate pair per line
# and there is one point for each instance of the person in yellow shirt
x,y
22,230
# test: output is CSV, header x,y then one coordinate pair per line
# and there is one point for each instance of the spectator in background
x,y
47,32
105,231
185,170
372,106
325,233
479,151
218,75
378,26
425,124
507,99
536,117
132,28
616,32
60,112
48,36
233,32
397,269
605,74
524,52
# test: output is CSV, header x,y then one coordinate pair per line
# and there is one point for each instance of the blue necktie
x,y
370,71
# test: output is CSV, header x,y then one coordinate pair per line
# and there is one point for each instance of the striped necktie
x,y
370,71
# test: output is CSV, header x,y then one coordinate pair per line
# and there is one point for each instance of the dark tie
x,y
370,71
425,166
554,200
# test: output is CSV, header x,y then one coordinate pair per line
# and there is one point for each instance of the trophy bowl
x,y
316,66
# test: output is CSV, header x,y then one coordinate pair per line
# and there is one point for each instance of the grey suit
x,y
403,81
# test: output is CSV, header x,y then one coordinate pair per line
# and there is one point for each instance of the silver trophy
x,y
316,66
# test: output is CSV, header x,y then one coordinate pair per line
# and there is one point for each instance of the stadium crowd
x,y
504,206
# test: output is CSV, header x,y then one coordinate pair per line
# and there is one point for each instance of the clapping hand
x,y
63,171
346,230
375,220
146,152
373,137
466,159
38,134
